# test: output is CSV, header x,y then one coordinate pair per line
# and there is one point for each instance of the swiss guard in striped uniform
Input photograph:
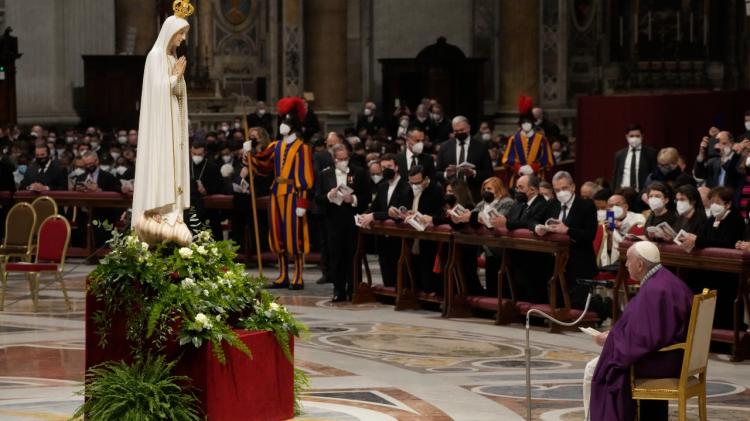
x,y
290,161
527,146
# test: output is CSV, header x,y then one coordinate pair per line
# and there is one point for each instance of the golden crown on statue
x,y
182,8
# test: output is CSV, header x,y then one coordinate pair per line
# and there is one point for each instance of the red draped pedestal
x,y
259,389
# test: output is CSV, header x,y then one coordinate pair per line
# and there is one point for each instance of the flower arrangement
x,y
192,295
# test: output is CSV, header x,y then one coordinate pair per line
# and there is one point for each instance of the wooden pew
x,y
710,259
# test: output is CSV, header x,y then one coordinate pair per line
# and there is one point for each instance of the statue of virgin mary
x,y
162,174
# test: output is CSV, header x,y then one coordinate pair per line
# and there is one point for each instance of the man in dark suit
x,y
94,180
721,170
463,149
427,199
340,208
205,180
44,174
393,192
414,155
529,210
633,163
578,220
261,118
321,161
438,127
368,120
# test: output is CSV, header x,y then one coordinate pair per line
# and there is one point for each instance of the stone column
x,y
325,53
291,58
519,52
139,16
205,33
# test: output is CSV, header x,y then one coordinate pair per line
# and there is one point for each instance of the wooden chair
x,y
692,380
54,237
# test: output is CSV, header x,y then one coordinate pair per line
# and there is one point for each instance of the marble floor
x,y
365,362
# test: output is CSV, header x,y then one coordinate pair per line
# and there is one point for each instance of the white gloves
x,y
300,212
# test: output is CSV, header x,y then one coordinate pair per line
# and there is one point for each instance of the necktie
x,y
413,161
633,175
565,212
461,153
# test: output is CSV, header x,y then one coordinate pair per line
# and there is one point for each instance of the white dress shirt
x,y
626,169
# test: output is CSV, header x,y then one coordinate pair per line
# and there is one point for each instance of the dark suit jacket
x,y
425,160
710,170
430,202
253,120
105,181
210,177
439,132
53,177
477,155
7,182
581,224
522,216
357,179
322,160
401,197
646,166
371,126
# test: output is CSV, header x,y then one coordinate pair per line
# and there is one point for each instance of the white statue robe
x,y
162,173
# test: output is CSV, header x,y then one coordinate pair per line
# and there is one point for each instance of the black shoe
x,y
274,285
296,287
323,280
338,298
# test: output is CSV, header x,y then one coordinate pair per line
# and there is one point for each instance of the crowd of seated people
x,y
431,163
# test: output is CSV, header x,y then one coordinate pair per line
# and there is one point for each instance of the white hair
x,y
563,175
459,119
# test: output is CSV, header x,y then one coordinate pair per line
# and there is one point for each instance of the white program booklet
x,y
458,210
415,223
589,330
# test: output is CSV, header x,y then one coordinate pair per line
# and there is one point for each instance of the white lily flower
x,y
185,253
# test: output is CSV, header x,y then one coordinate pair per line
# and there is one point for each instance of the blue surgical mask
x,y
22,169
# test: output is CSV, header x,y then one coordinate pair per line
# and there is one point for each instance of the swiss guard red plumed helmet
x,y
292,103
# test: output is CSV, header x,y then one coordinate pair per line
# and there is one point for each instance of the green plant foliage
x,y
194,295
146,390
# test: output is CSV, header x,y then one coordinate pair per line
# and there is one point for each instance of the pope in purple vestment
x,y
658,316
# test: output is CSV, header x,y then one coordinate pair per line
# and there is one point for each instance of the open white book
x,y
549,223
589,330
358,220
487,214
465,165
458,210
414,221
663,231
341,191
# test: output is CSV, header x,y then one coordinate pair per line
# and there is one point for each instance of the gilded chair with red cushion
x,y
52,246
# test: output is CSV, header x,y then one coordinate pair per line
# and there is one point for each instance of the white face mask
x,y
114,155
70,139
261,113
225,128
122,140
563,196
526,127
683,206
726,151
368,112
94,145
619,211
121,170
747,126
417,189
226,158
601,215
377,178
404,123
486,137
342,165
284,129
197,159
417,148
634,141
237,125
655,204
105,168
717,210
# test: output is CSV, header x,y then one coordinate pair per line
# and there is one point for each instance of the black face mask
x,y
91,170
462,136
488,196
389,173
42,161
521,197
450,200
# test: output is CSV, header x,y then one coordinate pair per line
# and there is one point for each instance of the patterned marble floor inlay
x,y
366,362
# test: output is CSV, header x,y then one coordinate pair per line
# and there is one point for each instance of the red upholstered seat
x,y
522,233
589,317
605,276
31,267
523,306
384,290
482,302
637,230
442,228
